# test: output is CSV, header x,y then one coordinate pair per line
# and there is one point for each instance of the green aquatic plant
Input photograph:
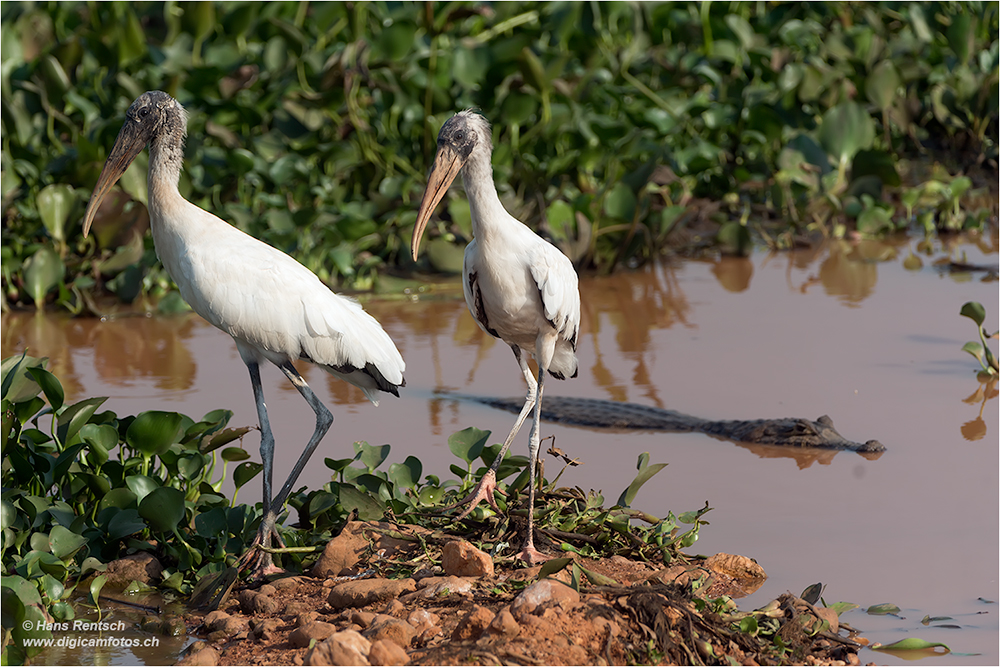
x,y
981,350
621,129
83,487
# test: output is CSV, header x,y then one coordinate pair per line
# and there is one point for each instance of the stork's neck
x,y
487,211
166,157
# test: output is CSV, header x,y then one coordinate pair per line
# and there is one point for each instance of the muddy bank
x,y
441,601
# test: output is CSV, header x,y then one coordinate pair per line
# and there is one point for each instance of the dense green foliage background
x,y
616,126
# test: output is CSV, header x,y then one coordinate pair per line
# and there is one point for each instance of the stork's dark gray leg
x,y
272,506
323,421
264,564
266,437
488,483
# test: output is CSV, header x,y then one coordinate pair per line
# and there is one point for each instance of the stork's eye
x,y
143,112
460,136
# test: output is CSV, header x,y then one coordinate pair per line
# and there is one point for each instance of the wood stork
x,y
274,308
519,287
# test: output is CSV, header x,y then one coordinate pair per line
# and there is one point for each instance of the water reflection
x,y
975,429
842,330
124,350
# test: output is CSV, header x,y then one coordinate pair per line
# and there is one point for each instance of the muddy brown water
x,y
847,332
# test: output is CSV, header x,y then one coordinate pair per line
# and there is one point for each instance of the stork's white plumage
x,y
519,287
273,307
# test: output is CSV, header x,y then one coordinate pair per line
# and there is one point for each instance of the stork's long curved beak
x,y
127,146
447,163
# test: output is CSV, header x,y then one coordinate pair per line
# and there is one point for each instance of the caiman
x,y
591,412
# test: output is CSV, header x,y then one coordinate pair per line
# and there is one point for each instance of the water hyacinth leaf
x,y
321,502
596,578
470,65
812,593
468,443
212,442
64,543
163,509
368,507
62,611
876,163
24,611
76,416
101,436
882,609
881,84
152,432
977,350
629,494
119,497
552,566
246,471
54,205
18,384
928,619
974,311
212,523
91,564
371,455
138,587
42,272
960,36
841,607
191,465
141,485
846,129
172,304
51,386
337,465
406,474
911,644
620,202
51,587
95,589
734,239
748,626
235,454
125,522
8,513
431,495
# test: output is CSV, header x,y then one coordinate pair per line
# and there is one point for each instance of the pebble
x,y
391,629
253,603
503,625
205,657
296,608
387,653
432,587
462,559
362,618
220,623
473,624
317,630
395,608
364,592
266,629
342,552
342,648
542,594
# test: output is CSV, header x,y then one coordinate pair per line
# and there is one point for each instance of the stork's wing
x,y
557,283
262,296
